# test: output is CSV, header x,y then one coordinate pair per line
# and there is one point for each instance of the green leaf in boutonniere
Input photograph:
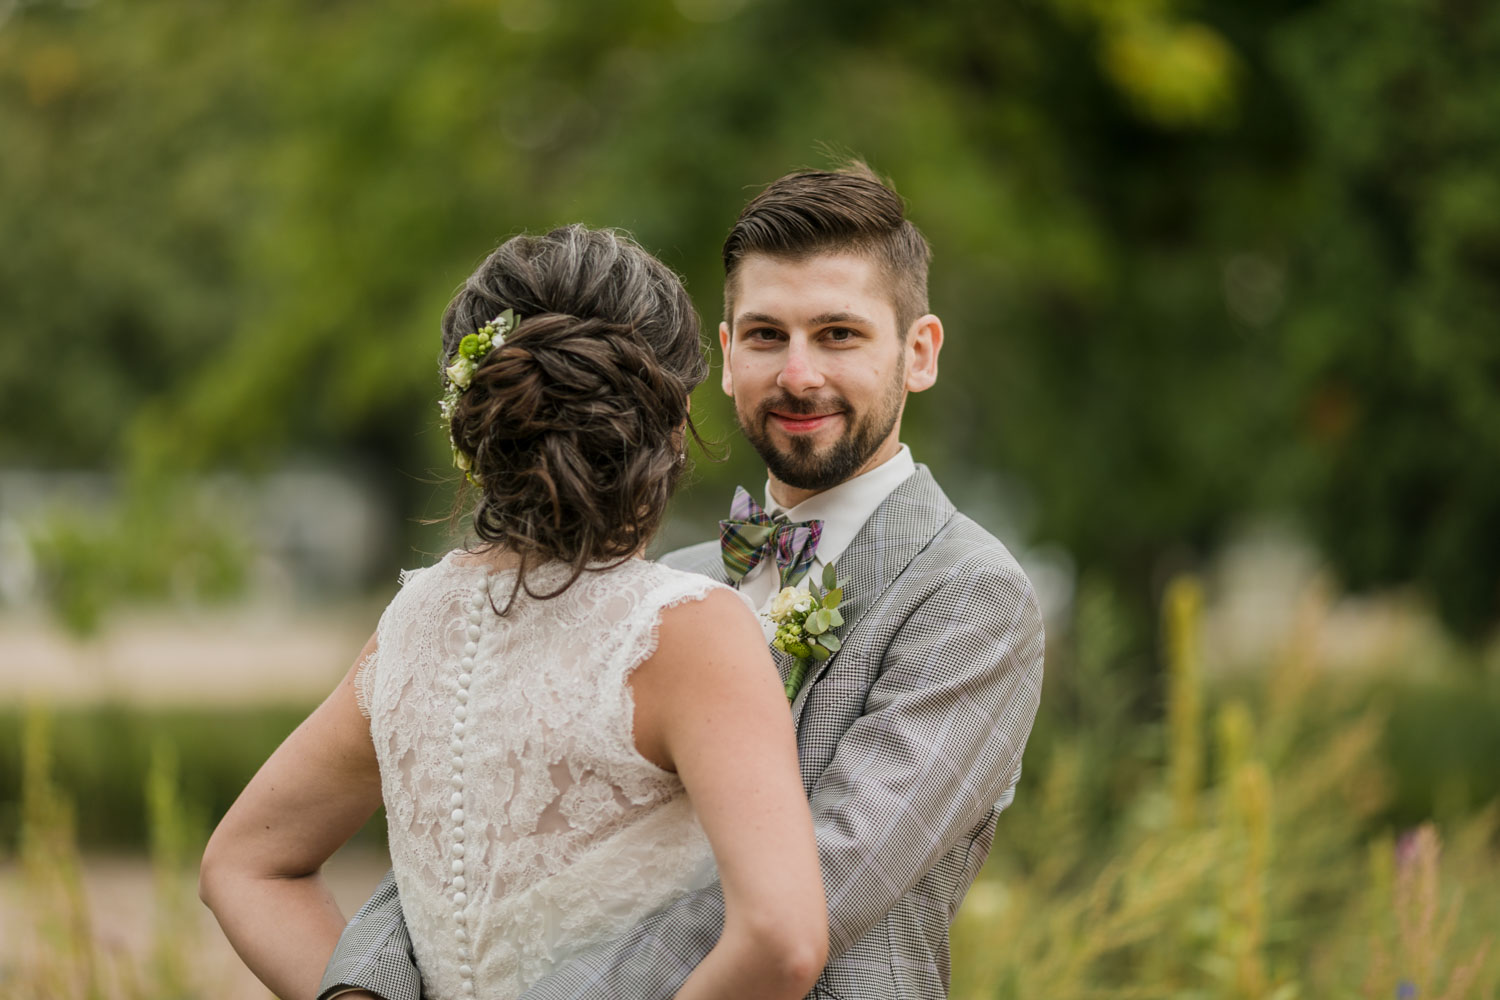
x,y
805,620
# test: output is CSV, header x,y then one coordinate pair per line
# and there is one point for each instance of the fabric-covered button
x,y
458,866
459,883
458,815
460,713
470,648
458,917
460,898
456,799
464,679
458,850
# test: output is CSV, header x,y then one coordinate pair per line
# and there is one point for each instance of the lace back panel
x,y
524,825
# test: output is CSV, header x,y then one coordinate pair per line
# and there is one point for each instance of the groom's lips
x,y
803,423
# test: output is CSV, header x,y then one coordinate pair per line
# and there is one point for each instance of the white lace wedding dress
x,y
524,824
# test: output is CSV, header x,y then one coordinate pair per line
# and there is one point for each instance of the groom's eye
x,y
764,334
840,334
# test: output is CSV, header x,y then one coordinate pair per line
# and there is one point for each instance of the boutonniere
x,y
805,621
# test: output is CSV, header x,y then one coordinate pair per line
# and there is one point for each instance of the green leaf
x,y
830,642
830,577
815,624
819,653
834,618
833,597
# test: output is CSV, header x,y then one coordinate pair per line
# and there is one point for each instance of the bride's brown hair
x,y
577,424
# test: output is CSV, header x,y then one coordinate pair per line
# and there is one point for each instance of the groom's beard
x,y
800,464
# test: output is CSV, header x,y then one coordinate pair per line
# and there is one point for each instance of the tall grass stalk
x,y
1245,816
59,961
1183,611
1412,949
61,958
174,846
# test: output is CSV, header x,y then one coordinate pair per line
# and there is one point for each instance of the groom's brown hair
x,y
848,210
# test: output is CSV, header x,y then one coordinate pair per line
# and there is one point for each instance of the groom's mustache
x,y
801,406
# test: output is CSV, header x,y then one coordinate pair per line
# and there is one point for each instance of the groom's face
x,y
817,368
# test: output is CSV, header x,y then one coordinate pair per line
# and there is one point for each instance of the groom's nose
x,y
799,372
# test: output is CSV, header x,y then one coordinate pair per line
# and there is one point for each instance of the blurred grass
x,y
99,753
1258,844
1282,833
55,955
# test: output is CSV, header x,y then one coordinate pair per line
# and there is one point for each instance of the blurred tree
x,y
1195,260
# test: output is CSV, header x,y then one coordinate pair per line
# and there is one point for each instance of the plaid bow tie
x,y
749,533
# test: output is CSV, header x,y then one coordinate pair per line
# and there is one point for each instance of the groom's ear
x,y
923,342
727,381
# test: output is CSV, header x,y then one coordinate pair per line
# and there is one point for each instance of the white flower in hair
x,y
459,375
461,372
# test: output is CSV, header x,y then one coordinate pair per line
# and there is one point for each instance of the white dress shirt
x,y
844,509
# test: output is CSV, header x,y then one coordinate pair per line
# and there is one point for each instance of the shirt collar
x,y
845,508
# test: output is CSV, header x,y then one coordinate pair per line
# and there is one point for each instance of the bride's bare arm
x,y
261,869
710,706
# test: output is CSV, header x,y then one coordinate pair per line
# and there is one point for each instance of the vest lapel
x,y
900,528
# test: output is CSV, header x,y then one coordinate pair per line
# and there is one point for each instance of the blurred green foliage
x,y
1195,260
90,560
98,755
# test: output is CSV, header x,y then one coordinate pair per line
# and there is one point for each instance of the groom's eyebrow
x,y
746,318
828,319
822,319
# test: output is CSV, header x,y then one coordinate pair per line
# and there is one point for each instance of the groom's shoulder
x,y
965,559
964,556
962,541
702,558
966,541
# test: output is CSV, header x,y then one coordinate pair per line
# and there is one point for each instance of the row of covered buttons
x,y
464,670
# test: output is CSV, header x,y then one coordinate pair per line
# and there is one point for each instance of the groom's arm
x,y
939,744
374,953
936,749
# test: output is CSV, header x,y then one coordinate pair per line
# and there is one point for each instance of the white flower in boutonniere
x,y
805,621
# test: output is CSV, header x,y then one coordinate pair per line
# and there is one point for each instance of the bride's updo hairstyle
x,y
576,424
